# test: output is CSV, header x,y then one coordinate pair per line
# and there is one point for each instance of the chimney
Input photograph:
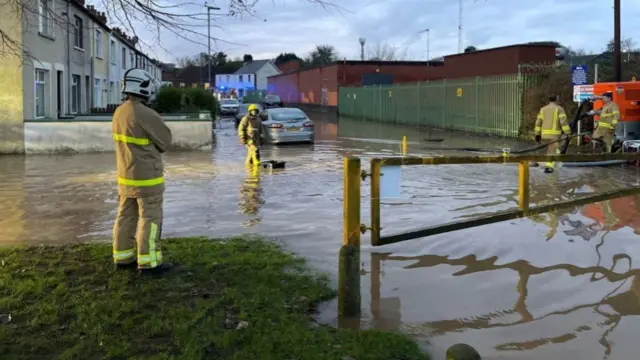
x,y
81,2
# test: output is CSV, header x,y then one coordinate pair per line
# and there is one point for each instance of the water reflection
x,y
385,311
251,198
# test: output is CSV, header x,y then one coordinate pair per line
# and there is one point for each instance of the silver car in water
x,y
287,125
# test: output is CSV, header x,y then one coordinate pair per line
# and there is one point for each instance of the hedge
x,y
175,100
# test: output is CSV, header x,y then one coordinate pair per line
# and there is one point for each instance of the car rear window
x,y
289,114
272,98
228,102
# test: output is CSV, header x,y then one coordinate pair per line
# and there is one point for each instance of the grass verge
x,y
227,299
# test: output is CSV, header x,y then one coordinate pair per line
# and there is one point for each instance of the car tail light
x,y
275,126
308,124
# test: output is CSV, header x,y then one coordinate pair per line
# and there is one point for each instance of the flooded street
x,y
559,285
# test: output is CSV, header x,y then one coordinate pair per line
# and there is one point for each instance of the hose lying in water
x,y
506,150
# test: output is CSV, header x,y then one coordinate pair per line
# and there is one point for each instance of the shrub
x,y
168,100
201,99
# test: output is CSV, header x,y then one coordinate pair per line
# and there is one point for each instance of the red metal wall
x,y
285,86
498,61
314,80
351,74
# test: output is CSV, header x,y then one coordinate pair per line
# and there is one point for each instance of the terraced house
x,y
64,71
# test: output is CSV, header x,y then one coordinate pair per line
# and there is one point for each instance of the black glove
x,y
538,138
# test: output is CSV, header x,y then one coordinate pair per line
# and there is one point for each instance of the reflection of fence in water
x,y
625,304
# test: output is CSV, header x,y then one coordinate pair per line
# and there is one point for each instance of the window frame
x,y
43,83
45,22
99,45
112,51
75,95
97,93
78,33
124,57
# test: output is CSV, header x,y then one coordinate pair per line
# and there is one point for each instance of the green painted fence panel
x,y
488,105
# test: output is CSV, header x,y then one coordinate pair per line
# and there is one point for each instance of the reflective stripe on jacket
x,y
552,122
140,136
249,130
609,116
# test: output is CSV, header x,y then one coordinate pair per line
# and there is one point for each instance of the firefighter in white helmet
x,y
141,136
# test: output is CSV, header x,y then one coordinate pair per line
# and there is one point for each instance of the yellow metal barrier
x,y
349,277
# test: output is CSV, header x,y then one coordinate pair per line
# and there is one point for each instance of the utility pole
x,y
617,55
460,27
362,41
428,55
209,8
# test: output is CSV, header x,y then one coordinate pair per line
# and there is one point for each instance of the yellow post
x,y
523,185
404,145
349,262
375,201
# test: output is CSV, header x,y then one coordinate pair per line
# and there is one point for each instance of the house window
x,y
130,58
96,93
124,58
45,8
112,52
99,44
228,77
249,78
40,99
112,92
78,38
240,78
75,94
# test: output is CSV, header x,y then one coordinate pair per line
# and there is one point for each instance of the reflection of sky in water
x,y
465,286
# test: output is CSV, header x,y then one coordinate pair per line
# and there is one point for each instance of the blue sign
x,y
579,75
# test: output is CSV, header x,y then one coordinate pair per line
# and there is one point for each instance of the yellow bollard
x,y
404,145
349,261
523,186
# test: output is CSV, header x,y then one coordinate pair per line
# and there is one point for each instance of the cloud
x,y
297,26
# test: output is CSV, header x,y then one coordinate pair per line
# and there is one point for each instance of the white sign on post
x,y
582,92
390,180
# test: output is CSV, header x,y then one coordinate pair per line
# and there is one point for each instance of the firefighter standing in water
x,y
249,131
551,123
609,117
141,136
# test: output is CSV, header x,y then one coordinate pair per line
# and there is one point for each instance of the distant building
x,y
252,76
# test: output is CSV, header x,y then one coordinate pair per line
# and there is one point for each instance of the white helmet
x,y
138,82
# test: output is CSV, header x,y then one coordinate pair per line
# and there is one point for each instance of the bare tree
x,y
161,18
186,61
385,52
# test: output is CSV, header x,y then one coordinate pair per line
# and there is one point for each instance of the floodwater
x,y
559,285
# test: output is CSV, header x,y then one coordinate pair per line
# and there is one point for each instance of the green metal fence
x,y
488,105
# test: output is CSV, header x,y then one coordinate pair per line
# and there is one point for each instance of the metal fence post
x,y
444,103
523,186
375,201
419,106
477,97
349,262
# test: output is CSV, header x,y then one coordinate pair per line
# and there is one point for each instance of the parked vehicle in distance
x,y
229,106
287,125
272,101
243,110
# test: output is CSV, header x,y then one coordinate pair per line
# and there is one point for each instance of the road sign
x,y
579,75
582,92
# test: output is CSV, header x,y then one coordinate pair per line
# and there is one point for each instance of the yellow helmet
x,y
253,107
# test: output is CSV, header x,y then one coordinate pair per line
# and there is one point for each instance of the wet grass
x,y
227,299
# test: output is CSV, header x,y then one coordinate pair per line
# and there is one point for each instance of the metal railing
x,y
349,279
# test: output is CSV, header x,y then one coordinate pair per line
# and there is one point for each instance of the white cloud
x,y
297,26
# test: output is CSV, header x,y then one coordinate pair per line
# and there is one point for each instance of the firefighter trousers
x,y
137,231
607,136
253,155
552,149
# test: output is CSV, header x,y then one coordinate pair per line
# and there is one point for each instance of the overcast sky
x,y
297,26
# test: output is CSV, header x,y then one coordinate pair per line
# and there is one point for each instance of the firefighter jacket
x,y
609,116
249,130
552,122
141,136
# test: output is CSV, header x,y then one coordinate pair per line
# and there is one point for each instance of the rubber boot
x,y
548,170
130,266
158,270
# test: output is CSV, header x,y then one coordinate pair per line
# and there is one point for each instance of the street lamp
x,y
428,55
209,8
